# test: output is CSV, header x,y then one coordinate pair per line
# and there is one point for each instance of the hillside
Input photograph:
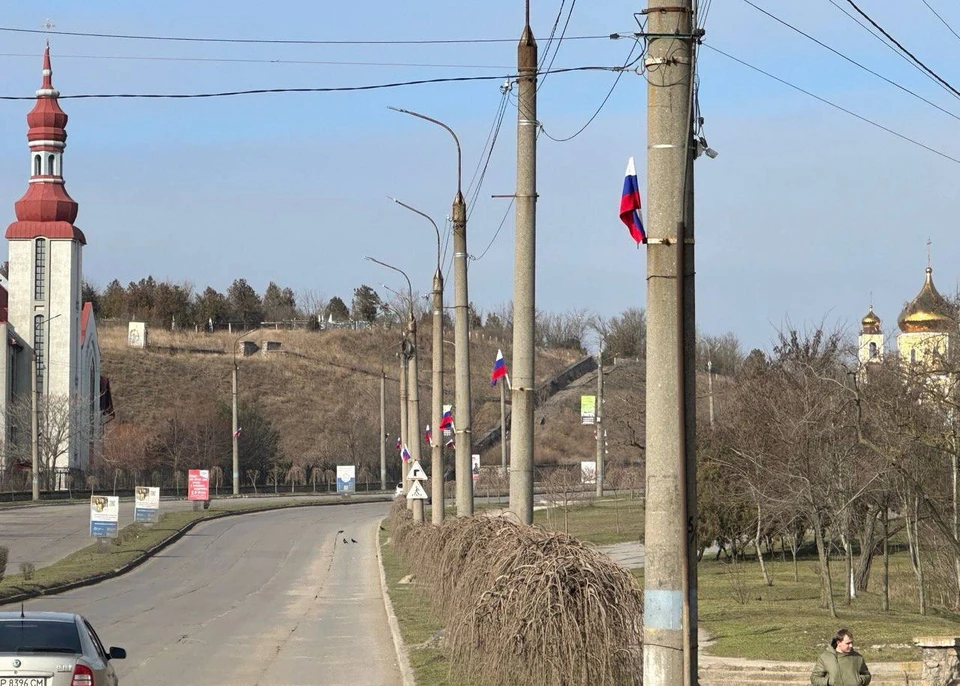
x,y
320,391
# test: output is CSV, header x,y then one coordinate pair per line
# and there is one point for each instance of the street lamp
x,y
409,352
436,444
236,429
35,413
461,304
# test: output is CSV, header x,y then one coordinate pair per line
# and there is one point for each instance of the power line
x,y
261,61
563,33
850,60
329,89
278,41
834,105
942,20
903,49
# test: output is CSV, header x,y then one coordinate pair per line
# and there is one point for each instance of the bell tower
x,y
870,342
45,253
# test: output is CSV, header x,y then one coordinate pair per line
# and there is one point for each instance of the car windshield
x,y
28,635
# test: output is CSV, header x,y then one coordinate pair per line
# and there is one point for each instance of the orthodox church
x,y
928,330
49,335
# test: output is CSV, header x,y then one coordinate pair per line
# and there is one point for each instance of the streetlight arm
x,y
429,219
237,340
440,123
396,269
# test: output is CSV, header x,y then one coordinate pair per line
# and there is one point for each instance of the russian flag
x,y
427,434
499,369
630,205
405,454
447,421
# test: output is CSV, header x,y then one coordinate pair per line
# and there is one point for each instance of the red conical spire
x,y
46,209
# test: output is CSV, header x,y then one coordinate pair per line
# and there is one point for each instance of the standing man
x,y
840,664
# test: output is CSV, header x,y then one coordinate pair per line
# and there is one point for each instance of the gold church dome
x,y
870,322
928,311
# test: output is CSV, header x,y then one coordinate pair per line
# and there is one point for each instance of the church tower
x,y
45,251
870,342
927,327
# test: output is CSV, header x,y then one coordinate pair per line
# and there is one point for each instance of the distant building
x,y
41,311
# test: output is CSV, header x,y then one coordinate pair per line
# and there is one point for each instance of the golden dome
x,y
928,311
870,322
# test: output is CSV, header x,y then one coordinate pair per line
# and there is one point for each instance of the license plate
x,y
22,681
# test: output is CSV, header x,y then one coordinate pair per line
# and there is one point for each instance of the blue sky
x,y
806,214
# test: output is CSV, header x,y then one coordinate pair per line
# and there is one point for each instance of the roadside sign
x,y
346,478
198,484
416,473
416,492
104,516
146,504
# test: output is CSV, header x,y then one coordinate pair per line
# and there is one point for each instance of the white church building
x,y
42,315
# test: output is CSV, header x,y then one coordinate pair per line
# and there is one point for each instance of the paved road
x,y
265,599
44,534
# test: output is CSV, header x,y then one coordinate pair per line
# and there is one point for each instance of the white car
x,y
53,649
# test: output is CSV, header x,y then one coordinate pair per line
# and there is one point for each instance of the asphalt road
x,y
266,599
44,534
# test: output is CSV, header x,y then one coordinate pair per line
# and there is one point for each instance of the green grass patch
x,y
785,622
601,522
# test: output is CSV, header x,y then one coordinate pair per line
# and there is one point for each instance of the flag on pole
x,y
630,205
447,421
236,433
499,369
427,434
398,443
405,454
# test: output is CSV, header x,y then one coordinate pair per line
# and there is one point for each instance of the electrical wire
x,y
942,20
329,89
835,105
276,41
240,60
902,48
556,50
497,232
626,65
851,61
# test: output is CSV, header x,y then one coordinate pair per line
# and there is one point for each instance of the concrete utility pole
x,y
503,429
524,273
710,387
236,411
404,407
436,444
670,622
383,430
601,447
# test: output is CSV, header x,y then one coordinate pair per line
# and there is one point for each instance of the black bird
x,y
340,531
344,540
353,540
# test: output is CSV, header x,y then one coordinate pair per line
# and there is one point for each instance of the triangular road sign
x,y
416,492
416,473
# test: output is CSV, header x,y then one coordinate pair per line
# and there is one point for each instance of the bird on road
x,y
344,540
340,531
353,540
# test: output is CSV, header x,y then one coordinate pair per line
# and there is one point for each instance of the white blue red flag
x,y
447,421
427,434
499,369
405,454
630,205
236,434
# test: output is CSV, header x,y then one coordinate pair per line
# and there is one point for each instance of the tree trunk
x,y
756,544
912,512
885,597
826,583
868,548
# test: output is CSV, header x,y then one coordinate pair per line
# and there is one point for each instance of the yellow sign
x,y
588,409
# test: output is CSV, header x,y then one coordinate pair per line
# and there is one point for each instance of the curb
x,y
133,564
403,660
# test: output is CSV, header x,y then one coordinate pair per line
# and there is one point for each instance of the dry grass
x,y
319,384
522,605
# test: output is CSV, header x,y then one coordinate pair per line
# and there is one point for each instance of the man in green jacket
x,y
840,665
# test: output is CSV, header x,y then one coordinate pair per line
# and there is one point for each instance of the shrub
x,y
4,555
27,569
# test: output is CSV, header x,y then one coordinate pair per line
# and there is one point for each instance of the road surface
x,y
264,599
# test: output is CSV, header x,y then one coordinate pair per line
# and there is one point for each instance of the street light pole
x,y
35,416
461,307
236,428
436,439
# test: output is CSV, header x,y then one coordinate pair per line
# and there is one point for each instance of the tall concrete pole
x,y
669,634
601,447
463,419
710,387
34,431
413,419
436,448
524,271
383,430
404,409
236,437
503,429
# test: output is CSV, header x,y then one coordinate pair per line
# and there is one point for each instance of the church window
x,y
913,356
873,350
38,349
36,165
39,268
51,162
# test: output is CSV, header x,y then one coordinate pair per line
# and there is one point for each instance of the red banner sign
x,y
198,484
